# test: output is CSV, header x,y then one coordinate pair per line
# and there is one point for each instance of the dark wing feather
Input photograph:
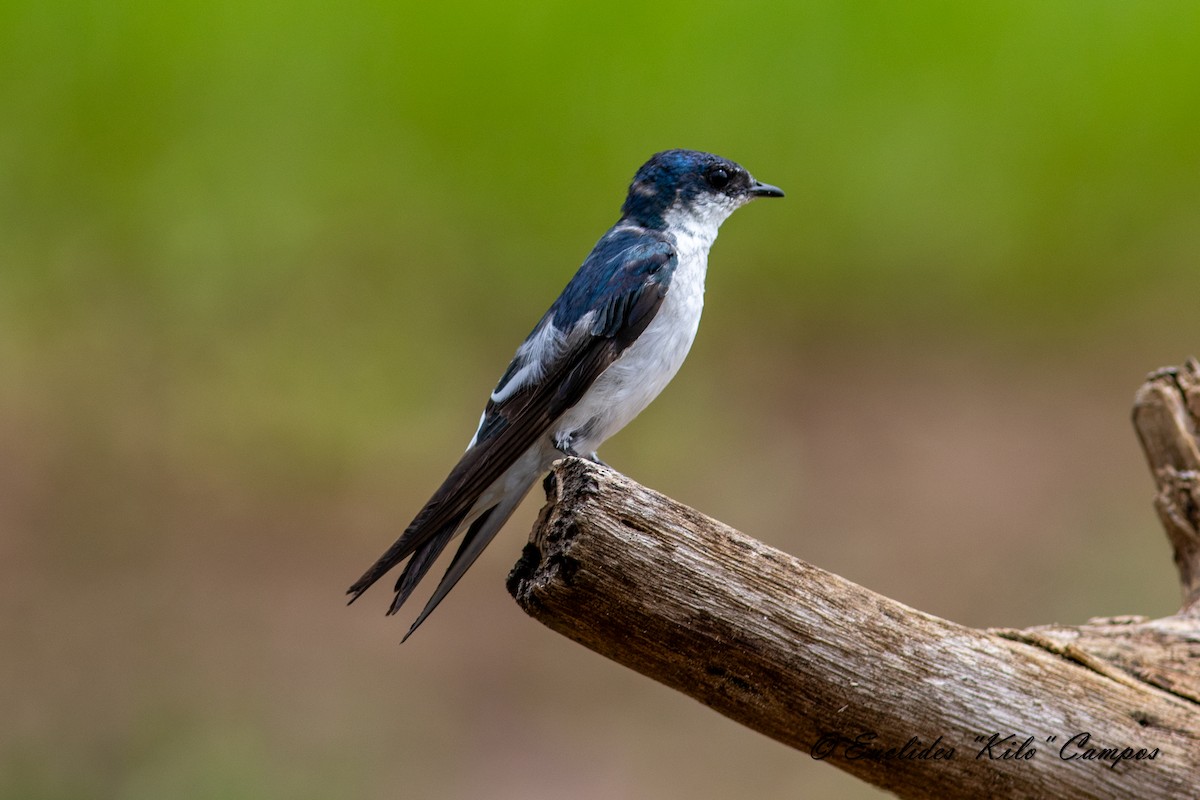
x,y
626,301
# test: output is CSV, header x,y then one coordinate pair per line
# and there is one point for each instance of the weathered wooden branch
x,y
918,705
1166,414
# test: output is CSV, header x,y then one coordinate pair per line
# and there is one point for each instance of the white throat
x,y
697,225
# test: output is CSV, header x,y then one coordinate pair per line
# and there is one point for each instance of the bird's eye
x,y
718,178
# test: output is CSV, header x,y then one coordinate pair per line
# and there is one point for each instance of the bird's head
x,y
691,188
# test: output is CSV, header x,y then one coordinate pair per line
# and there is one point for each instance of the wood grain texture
x,y
872,686
1166,414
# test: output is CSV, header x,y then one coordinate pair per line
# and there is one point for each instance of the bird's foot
x,y
563,445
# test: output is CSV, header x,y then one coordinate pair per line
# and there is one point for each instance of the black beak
x,y
758,189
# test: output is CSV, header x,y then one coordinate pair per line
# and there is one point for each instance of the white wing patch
x,y
478,428
543,347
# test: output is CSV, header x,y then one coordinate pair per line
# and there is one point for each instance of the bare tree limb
x,y
1166,413
909,702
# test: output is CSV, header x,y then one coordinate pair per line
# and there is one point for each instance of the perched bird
x,y
608,345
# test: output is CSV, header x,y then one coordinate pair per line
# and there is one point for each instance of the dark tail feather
x,y
477,537
418,565
413,540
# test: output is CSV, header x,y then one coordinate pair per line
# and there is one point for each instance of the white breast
x,y
648,365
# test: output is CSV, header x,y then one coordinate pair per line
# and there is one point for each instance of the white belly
x,y
646,367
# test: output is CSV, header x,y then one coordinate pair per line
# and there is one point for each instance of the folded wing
x,y
604,308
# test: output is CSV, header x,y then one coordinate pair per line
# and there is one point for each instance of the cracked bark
x,y
818,663
1166,414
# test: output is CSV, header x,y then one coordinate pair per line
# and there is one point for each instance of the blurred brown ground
x,y
185,626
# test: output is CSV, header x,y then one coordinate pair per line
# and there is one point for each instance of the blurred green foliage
x,y
249,240
243,201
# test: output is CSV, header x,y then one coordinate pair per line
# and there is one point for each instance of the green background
x,y
260,264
